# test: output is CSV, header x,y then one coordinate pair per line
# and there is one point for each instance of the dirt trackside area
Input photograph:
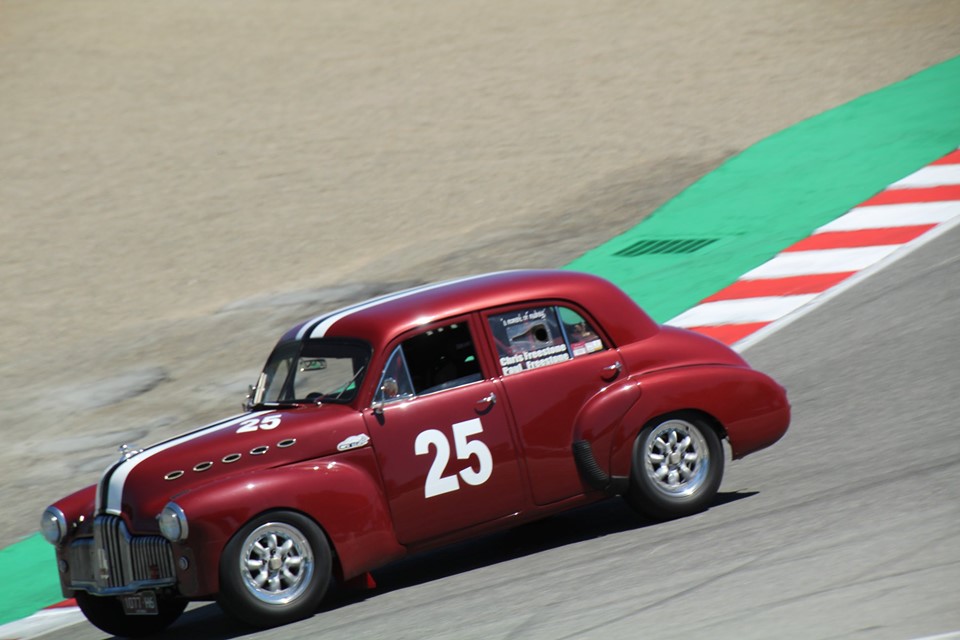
x,y
181,180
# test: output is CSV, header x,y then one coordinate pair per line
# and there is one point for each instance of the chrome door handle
x,y
614,368
489,400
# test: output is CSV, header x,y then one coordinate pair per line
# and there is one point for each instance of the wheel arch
x,y
690,413
336,565
745,407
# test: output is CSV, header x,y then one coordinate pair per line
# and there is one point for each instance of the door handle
x,y
614,368
488,401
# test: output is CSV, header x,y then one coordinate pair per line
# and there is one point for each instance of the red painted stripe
x,y
905,196
730,333
794,285
950,158
860,238
62,605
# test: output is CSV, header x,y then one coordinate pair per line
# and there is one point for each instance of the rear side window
x,y
582,336
536,337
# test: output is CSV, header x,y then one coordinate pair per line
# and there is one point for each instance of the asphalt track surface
x,y
847,528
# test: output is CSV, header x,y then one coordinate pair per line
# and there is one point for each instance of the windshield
x,y
325,370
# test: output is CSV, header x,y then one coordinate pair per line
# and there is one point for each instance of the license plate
x,y
140,604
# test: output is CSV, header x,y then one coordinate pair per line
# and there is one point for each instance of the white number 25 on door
x,y
437,483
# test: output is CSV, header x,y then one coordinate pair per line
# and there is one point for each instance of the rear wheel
x,y
106,613
275,570
677,467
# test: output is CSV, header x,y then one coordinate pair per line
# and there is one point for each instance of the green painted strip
x,y
32,582
768,197
781,189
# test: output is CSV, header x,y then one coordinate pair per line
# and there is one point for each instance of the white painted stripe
x,y
894,215
120,474
951,635
739,311
310,324
852,281
805,263
933,176
327,321
41,623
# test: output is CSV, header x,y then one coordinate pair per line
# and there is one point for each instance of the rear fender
x,y
339,493
746,406
599,418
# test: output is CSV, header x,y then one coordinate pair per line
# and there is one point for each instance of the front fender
x,y
341,493
751,408
77,508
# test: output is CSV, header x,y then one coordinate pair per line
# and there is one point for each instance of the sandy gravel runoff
x,y
179,181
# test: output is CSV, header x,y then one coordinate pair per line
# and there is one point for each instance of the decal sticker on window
x,y
528,339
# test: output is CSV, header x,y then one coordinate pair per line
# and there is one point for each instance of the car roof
x,y
379,320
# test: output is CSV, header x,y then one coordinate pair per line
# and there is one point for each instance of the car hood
x,y
139,486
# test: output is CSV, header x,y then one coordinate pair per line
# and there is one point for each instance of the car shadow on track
x,y
208,622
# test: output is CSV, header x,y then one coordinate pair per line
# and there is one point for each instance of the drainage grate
x,y
664,245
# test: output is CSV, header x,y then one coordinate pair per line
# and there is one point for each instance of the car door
x,y
442,436
553,360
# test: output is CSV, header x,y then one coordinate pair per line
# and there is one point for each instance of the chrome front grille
x,y
110,542
115,561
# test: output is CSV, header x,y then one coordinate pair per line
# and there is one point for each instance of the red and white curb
x,y
45,621
885,228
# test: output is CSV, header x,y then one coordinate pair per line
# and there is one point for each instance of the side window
x,y
583,338
395,383
437,359
528,339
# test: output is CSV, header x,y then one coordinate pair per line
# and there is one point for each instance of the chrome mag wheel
x,y
677,466
275,570
276,563
676,458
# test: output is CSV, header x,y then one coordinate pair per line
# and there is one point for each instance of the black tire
x,y
106,613
677,467
292,583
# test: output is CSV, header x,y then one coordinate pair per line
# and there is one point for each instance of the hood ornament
x,y
127,451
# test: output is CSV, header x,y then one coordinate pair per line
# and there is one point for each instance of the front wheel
x,y
677,467
275,570
106,613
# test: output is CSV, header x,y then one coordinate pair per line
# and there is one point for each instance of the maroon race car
x,y
406,422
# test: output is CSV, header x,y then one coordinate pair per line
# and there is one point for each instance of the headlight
x,y
53,525
173,522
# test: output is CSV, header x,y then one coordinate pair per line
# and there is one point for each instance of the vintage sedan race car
x,y
406,422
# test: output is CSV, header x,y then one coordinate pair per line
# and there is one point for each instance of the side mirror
x,y
389,389
248,401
